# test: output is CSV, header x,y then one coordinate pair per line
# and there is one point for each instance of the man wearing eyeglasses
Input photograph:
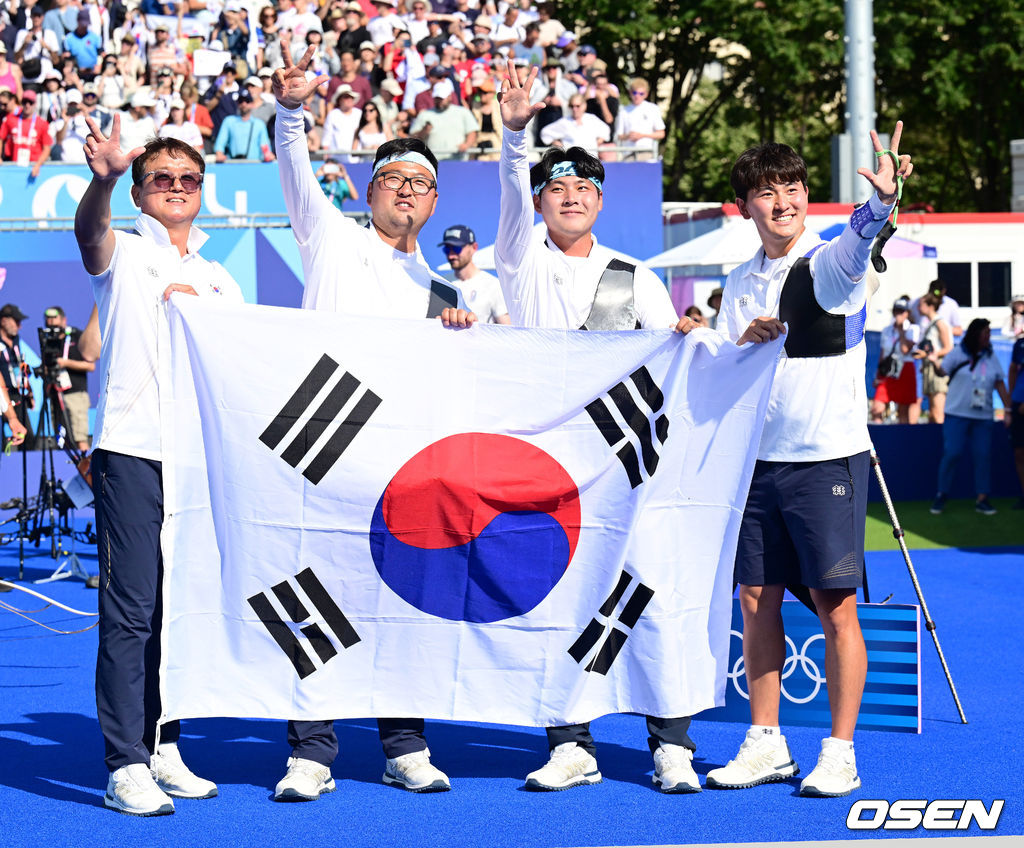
x,y
377,270
132,273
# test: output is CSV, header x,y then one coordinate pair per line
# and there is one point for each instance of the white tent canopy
x,y
731,244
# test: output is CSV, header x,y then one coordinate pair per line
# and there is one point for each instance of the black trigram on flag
x,y
609,638
638,420
327,616
324,417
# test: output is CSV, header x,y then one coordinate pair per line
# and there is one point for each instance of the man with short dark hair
x,y
571,282
132,273
529,48
348,74
377,270
803,523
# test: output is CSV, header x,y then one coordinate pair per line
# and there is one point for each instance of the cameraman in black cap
x,y
16,372
71,378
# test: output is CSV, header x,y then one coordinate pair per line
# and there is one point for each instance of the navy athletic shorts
x,y
804,523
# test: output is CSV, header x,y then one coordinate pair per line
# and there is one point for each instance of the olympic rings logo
x,y
794,659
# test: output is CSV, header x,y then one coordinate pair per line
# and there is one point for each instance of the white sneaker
x,y
761,759
175,778
415,773
131,789
835,774
673,769
306,780
570,765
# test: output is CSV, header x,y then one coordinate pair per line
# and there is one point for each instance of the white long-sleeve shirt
x,y
543,287
818,405
347,268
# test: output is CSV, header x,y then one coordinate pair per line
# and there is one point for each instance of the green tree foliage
x,y
736,72
955,73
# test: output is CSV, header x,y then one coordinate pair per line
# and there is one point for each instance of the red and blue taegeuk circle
x,y
476,527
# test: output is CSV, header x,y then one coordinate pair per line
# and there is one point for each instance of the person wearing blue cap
x,y
481,290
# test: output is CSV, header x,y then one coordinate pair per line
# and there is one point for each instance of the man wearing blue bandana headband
x,y
569,281
377,270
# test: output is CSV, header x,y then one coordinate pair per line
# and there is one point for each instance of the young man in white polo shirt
x,y
376,270
133,272
570,282
805,513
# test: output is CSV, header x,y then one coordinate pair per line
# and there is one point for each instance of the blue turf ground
x,y
52,775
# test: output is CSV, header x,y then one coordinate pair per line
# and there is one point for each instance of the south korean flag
x,y
494,524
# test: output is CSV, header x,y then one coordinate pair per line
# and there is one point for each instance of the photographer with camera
x,y
58,345
16,371
896,376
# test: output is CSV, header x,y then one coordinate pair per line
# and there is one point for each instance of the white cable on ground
x,y
48,600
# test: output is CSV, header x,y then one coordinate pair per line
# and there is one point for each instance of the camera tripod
x,y
46,514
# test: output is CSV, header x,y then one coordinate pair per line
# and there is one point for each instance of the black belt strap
x,y
441,297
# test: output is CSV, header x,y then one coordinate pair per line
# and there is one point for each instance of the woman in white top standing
x,y
177,127
372,132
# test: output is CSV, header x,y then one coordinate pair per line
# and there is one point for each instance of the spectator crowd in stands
x,y
199,70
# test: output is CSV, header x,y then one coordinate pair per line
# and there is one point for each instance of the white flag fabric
x,y
391,518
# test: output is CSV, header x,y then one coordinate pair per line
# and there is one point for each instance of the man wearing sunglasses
x,y
639,124
481,290
571,282
133,272
377,270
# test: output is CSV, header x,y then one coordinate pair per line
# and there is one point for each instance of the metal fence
x,y
204,222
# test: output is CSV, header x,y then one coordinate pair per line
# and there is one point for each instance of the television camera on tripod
x,y
46,514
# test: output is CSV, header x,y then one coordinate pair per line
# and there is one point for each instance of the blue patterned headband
x,y
564,169
405,156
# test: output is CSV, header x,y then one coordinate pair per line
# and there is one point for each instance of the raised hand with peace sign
x,y
892,167
291,88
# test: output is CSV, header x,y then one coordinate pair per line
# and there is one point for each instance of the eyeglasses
x,y
578,105
637,92
394,181
449,249
164,181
